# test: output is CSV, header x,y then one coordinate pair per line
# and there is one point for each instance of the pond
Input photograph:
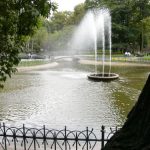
x,y
64,96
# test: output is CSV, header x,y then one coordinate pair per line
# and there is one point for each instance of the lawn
x,y
25,63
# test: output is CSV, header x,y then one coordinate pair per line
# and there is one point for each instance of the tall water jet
x,y
95,49
103,23
103,49
110,45
95,32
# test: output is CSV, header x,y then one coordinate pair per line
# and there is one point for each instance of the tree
x,y
127,21
39,40
79,12
146,28
59,40
90,4
59,20
18,19
141,10
135,133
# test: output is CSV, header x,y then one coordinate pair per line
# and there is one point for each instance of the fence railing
x,y
12,138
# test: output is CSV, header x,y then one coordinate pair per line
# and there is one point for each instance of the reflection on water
x,y
64,96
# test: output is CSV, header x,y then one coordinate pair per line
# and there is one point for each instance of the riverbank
x,y
86,62
36,67
92,62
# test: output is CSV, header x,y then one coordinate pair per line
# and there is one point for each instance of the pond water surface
x,y
64,96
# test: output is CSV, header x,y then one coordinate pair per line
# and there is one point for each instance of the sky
x,y
67,4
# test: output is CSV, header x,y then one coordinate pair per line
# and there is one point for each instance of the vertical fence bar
x,y
76,141
44,138
14,137
34,140
87,138
55,138
24,137
4,134
103,136
65,138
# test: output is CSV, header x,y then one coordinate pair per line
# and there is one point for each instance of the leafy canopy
x,y
18,19
129,28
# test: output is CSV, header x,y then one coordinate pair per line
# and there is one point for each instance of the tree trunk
x,y
141,40
135,133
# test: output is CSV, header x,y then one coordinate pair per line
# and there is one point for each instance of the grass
x,y
147,57
32,63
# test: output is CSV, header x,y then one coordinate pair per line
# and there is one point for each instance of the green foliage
x,y
79,12
18,19
60,28
128,25
59,20
32,63
90,4
59,40
146,28
39,39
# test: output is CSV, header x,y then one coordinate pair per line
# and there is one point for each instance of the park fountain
x,y
95,32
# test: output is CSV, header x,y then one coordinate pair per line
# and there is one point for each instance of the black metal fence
x,y
12,138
